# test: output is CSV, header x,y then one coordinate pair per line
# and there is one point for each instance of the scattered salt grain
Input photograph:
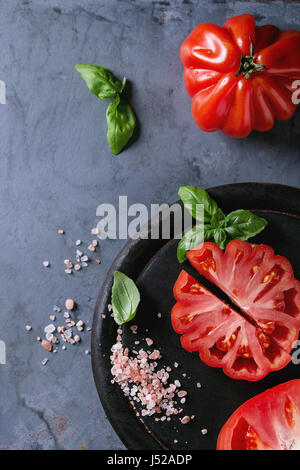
x,y
149,341
68,263
49,336
198,385
44,361
68,271
50,328
95,231
91,248
77,267
98,261
28,328
159,315
155,355
77,338
204,431
70,304
181,393
56,309
46,345
52,317
78,242
46,264
60,231
68,334
86,352
134,328
185,420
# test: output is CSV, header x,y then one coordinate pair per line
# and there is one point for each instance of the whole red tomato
x,y
240,76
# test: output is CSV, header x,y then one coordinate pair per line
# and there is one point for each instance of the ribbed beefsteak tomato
x,y
240,76
255,339
269,421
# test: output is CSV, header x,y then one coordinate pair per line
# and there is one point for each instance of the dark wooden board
x,y
154,266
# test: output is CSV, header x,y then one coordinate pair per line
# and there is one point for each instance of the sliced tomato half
x,y
222,336
269,421
259,282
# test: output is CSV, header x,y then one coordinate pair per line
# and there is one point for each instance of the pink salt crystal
x,y
155,354
185,420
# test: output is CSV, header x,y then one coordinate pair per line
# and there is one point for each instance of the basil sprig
x,y
125,298
120,122
218,227
120,117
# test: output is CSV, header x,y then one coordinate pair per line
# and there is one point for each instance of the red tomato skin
x,y
273,415
236,105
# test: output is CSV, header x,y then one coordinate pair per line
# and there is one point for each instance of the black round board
x,y
153,265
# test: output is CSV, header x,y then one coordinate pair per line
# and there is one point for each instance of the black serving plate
x,y
154,266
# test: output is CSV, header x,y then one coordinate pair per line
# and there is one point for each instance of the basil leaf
x,y
218,219
125,298
100,81
192,196
220,237
121,123
243,224
208,232
190,240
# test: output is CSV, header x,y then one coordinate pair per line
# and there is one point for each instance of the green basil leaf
x,y
121,123
192,196
243,224
190,240
218,219
220,237
208,232
100,81
125,298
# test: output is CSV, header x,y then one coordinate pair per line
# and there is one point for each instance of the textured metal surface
x,y
55,168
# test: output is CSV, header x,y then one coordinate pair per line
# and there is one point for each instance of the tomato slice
x,y
259,282
269,421
222,336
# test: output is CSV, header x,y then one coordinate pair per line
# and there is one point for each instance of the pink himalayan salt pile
x,y
139,380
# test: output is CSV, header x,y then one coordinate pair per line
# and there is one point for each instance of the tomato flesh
x,y
256,339
222,336
259,282
269,421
